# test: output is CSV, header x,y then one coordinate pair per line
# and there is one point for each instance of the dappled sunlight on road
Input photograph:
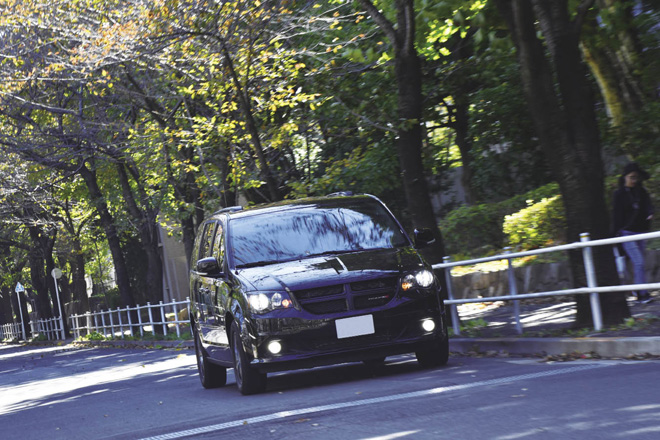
x,y
582,424
66,382
395,435
6,353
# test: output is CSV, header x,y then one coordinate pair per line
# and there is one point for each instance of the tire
x,y
210,374
437,354
248,380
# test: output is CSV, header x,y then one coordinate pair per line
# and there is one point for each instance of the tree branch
x,y
582,11
381,21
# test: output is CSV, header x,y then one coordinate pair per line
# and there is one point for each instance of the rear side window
x,y
218,250
207,240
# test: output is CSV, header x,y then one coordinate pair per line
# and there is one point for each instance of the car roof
x,y
285,205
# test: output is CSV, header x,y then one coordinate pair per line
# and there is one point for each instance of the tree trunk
x,y
78,276
5,305
461,124
567,128
39,281
149,237
460,115
107,222
408,71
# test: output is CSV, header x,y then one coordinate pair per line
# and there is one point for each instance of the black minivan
x,y
310,282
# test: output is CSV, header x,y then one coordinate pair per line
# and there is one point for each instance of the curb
x,y
183,344
603,347
118,343
624,347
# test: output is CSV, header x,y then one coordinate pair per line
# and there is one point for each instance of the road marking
x,y
364,402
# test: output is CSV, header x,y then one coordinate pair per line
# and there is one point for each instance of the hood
x,y
328,270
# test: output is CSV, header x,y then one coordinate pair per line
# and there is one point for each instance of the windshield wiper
x,y
302,257
258,263
320,254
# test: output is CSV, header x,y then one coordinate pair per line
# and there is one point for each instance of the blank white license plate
x,y
355,326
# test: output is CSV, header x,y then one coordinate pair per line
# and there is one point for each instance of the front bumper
x,y
313,341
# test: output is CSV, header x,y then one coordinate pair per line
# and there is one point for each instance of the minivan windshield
x,y
304,231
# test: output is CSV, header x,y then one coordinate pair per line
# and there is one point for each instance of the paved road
x,y
133,394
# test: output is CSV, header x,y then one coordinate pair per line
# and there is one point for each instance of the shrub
x,y
94,336
477,230
540,224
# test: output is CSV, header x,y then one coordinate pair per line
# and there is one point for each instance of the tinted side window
x,y
207,241
218,249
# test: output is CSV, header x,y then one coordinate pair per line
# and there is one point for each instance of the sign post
x,y
57,274
20,289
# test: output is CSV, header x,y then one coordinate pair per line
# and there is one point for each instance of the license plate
x,y
355,326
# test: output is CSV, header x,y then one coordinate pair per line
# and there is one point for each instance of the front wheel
x,y
437,353
248,379
210,374
435,356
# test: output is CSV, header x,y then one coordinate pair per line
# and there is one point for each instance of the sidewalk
x,y
548,331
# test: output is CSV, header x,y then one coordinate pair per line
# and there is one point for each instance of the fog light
x,y
428,325
274,347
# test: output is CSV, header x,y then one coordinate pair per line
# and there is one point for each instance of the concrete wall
x,y
175,267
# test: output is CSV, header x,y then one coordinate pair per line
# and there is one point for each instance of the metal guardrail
x,y
120,326
592,287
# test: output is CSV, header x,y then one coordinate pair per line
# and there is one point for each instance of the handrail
x,y
592,289
561,247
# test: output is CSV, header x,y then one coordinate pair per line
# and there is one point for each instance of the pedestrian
x,y
632,212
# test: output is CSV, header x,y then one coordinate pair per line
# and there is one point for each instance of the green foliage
x,y
372,171
507,158
477,230
110,297
94,336
471,327
151,86
539,224
639,136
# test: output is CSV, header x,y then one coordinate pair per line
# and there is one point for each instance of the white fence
x,y
115,323
592,288
11,331
120,323
50,328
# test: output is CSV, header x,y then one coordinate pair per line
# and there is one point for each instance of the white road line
x,y
365,402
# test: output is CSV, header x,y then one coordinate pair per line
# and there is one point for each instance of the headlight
x,y
267,301
423,278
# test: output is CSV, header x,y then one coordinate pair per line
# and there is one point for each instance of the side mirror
x,y
423,237
209,266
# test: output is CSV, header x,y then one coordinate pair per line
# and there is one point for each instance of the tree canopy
x,y
118,117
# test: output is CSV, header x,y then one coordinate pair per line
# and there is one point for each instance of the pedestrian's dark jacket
x,y
630,210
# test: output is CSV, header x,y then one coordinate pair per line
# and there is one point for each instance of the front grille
x,y
323,307
320,292
343,297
